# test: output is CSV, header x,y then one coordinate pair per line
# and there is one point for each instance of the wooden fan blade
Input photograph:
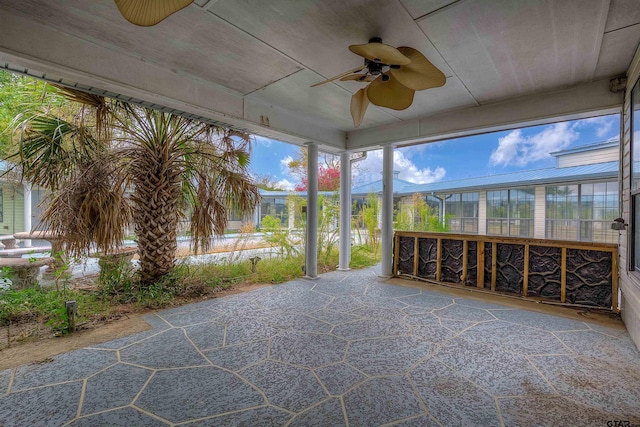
x,y
359,104
420,74
346,73
390,94
146,13
380,52
359,78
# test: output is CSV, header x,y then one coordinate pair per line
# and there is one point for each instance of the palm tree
x,y
124,163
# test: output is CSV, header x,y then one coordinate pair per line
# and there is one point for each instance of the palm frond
x,y
90,209
50,149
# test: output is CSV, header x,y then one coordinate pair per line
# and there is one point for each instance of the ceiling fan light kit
x,y
394,74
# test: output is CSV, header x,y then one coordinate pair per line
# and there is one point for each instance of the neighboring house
x,y
578,199
12,207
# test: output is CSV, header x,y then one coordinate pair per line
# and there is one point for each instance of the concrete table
x,y
8,241
25,271
56,247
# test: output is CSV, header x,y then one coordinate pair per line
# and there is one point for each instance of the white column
x,y
311,252
482,213
27,212
256,215
345,211
291,218
387,211
539,223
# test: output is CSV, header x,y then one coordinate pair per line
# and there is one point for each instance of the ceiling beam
x,y
577,102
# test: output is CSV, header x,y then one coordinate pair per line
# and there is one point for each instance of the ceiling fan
x,y
394,76
146,13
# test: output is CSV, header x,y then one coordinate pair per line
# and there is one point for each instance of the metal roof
x,y
588,147
280,193
607,170
599,171
376,186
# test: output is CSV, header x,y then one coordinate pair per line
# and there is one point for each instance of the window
x,y
497,204
635,175
510,212
461,212
562,212
275,207
598,208
1,205
582,212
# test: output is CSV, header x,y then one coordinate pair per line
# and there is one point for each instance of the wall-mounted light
x,y
618,224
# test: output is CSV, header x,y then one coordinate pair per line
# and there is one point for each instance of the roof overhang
x,y
250,65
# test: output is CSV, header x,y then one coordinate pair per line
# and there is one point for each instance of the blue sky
x,y
489,154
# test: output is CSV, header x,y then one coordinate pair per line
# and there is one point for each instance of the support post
x,y
525,272
387,211
27,212
480,264
494,265
345,211
465,261
563,275
291,218
311,250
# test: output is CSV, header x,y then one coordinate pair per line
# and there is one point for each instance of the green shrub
x,y
269,223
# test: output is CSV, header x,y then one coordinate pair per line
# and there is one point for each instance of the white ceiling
x,y
250,63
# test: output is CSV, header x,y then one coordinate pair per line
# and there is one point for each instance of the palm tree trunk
x,y
156,200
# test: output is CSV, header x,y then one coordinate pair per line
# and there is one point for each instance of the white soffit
x,y
250,63
578,102
199,44
328,107
420,8
622,13
506,48
453,95
317,33
614,46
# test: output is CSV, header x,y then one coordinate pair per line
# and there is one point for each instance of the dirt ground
x,y
38,344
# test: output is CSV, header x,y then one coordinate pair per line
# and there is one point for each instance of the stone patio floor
x,y
346,349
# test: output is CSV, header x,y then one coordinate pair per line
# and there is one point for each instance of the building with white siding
x,y
578,199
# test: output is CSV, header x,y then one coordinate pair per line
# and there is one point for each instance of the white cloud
x,y
517,149
265,142
370,169
604,125
284,165
285,184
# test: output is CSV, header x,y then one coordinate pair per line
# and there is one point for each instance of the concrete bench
x,y
18,252
24,271
116,258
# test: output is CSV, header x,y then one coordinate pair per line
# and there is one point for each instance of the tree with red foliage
x,y
328,172
328,179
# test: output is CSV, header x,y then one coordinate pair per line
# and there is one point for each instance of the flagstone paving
x,y
344,350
